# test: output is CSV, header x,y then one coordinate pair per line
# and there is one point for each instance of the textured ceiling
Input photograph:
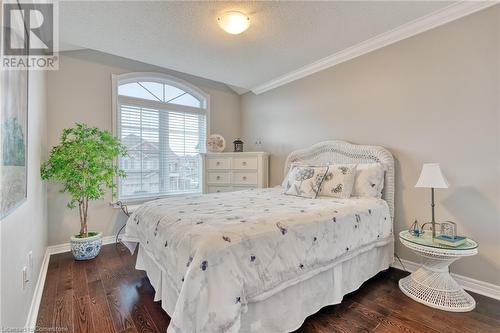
x,y
184,36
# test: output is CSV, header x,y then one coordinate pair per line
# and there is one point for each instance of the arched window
x,y
163,122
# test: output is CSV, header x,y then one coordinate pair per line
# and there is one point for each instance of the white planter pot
x,y
86,248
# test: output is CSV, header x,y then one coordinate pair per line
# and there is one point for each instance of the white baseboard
x,y
476,286
37,295
409,266
61,248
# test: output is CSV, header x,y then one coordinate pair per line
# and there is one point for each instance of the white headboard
x,y
344,152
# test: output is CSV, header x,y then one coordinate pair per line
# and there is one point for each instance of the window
x,y
163,123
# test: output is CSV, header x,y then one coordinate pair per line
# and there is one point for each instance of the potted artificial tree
x,y
84,163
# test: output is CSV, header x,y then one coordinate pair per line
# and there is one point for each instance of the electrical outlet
x,y
25,277
258,143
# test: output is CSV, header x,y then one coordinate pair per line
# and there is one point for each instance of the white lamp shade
x,y
432,176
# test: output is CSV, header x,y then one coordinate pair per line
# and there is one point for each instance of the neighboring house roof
x,y
135,142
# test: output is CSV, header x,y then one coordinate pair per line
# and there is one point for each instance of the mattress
x,y
220,252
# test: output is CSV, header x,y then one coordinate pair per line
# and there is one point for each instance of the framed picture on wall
x,y
13,137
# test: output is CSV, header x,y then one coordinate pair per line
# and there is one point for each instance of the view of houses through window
x,y
164,130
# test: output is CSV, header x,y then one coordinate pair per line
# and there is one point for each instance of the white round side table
x,y
432,283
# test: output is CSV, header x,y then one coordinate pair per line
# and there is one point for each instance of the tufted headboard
x,y
344,152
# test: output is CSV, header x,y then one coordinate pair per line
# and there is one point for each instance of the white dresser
x,y
226,172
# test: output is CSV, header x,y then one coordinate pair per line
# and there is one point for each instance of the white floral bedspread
x,y
222,250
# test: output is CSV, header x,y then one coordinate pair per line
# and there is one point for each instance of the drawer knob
x,y
217,163
244,163
244,177
218,191
218,177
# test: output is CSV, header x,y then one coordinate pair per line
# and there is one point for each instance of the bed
x,y
258,260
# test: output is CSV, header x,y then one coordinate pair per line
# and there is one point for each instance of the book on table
x,y
453,241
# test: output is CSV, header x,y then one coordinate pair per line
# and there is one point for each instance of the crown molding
x,y
412,28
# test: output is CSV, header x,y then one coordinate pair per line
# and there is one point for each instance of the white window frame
x,y
118,79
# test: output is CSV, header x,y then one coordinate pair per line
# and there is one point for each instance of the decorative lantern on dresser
x,y
238,146
227,172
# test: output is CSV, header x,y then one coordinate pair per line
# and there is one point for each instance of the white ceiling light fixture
x,y
234,22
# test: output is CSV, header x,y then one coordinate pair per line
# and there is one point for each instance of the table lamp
x,y
432,177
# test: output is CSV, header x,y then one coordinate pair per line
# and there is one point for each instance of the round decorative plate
x,y
216,143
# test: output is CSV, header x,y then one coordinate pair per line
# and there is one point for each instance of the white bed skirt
x,y
285,310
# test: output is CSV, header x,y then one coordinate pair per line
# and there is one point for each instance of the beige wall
x,y
25,229
431,98
80,91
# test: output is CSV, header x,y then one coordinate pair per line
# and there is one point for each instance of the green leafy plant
x,y
84,163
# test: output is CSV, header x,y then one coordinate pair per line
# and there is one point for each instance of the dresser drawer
x,y
245,163
219,178
243,187
245,178
219,189
221,163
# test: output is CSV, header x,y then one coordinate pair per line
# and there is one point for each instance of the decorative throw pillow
x,y
293,165
304,181
369,180
338,181
290,171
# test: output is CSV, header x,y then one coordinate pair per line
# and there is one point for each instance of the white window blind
x,y
164,146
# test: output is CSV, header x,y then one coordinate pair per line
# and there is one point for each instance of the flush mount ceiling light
x,y
234,22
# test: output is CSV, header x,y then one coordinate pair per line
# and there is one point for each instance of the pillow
x,y
338,181
292,166
369,180
304,181
290,170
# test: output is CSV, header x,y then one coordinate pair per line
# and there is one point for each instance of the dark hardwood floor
x,y
108,295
